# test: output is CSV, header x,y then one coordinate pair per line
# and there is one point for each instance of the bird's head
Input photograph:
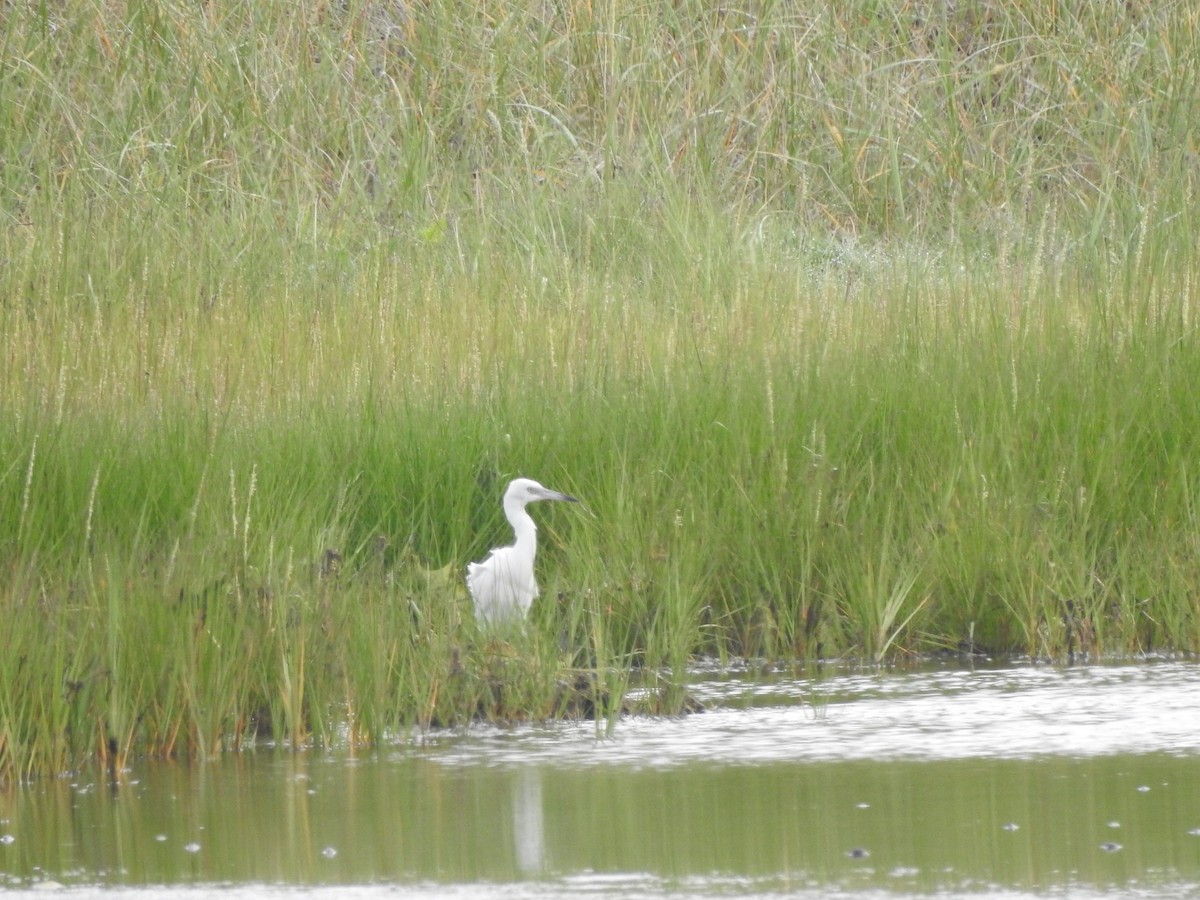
x,y
526,490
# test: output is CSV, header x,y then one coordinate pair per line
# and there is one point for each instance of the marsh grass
x,y
863,332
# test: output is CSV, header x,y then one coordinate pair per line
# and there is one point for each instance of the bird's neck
x,y
523,526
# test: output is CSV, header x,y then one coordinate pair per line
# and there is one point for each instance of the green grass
x,y
863,333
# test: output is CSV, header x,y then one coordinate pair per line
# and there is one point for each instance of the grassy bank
x,y
865,333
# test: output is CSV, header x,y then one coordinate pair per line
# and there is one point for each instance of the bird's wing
x,y
498,587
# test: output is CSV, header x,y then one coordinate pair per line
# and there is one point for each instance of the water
x,y
1010,782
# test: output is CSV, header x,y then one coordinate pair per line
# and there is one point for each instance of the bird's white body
x,y
503,586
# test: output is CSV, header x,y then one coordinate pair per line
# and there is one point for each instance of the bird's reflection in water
x,y
529,830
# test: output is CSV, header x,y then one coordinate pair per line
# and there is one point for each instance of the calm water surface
x,y
1009,782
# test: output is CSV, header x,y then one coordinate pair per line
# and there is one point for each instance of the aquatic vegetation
x,y
858,334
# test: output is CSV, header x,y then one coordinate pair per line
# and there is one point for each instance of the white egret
x,y
503,586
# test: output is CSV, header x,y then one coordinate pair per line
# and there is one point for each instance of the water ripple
x,y
1015,712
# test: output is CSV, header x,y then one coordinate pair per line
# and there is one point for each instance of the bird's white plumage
x,y
503,586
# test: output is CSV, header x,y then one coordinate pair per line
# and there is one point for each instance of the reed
x,y
861,333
